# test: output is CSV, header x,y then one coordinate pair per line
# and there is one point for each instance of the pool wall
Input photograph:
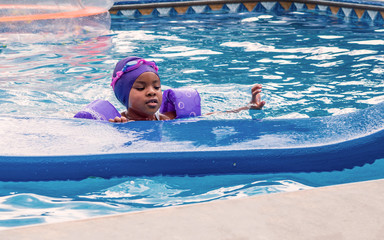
x,y
352,10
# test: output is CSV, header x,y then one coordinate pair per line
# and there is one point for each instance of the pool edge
x,y
371,12
346,211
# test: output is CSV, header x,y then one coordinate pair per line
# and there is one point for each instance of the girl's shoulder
x,y
166,116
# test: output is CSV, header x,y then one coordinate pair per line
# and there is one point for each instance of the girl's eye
x,y
139,89
157,88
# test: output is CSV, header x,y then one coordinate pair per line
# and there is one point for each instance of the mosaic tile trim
x,y
351,12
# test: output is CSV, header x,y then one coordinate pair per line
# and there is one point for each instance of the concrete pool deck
x,y
347,211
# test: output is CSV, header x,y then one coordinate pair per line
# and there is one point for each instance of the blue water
x,y
310,65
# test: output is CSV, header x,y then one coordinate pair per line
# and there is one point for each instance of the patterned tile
x,y
349,13
199,9
233,7
250,6
164,11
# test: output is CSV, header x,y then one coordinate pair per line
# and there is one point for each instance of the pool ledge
x,y
371,11
348,211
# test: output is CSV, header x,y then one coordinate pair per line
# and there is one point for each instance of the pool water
x,y
309,65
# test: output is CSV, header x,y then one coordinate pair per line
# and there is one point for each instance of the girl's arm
x,y
255,103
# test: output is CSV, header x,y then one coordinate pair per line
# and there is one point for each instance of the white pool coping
x,y
348,211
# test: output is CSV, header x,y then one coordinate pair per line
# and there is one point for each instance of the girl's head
x,y
136,84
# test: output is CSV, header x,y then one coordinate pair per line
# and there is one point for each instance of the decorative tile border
x,y
353,10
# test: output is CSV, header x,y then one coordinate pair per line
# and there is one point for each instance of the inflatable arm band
x,y
98,110
184,101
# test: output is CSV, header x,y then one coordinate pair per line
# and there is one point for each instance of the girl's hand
x,y
256,102
121,119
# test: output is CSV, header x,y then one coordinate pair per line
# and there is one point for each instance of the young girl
x,y
137,86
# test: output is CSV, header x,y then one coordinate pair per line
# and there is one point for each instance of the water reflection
x,y
54,79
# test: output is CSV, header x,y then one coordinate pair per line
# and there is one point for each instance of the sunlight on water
x,y
133,194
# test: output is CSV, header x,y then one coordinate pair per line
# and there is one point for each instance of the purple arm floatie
x,y
98,110
184,101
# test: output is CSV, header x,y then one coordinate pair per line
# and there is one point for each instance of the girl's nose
x,y
151,91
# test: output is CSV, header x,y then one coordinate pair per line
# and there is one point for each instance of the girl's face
x,y
146,96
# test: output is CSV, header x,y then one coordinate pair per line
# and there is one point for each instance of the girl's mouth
x,y
152,103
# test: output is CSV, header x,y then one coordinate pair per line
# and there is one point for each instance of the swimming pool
x,y
310,65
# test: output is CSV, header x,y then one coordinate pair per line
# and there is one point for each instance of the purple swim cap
x,y
125,74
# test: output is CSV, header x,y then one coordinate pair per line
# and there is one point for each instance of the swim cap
x,y
125,74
